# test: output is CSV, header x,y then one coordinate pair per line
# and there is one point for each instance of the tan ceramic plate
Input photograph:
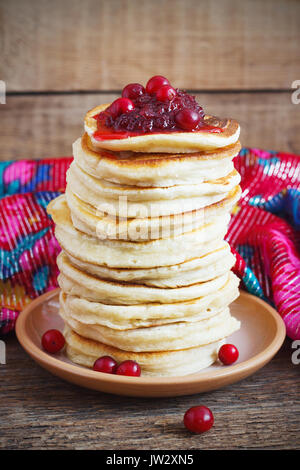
x,y
261,335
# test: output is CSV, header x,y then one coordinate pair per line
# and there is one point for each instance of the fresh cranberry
x,y
149,114
105,364
131,368
198,419
120,106
53,341
155,83
165,93
228,354
133,90
187,119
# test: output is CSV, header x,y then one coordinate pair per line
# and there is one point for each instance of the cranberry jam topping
x,y
156,108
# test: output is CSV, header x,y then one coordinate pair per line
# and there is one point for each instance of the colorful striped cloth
x,y
262,232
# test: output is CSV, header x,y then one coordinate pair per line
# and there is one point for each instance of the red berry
x,y
155,83
165,93
198,419
105,364
120,106
228,354
133,90
187,119
53,341
129,368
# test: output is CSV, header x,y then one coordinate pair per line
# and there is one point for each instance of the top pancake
x,y
180,142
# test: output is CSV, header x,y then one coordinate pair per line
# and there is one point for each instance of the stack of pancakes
x,y
145,273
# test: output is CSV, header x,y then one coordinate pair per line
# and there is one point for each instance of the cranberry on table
x,y
133,90
53,341
198,419
155,83
165,93
228,354
187,119
105,364
130,368
120,106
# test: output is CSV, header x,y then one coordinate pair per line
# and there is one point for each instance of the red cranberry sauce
x,y
160,110
151,115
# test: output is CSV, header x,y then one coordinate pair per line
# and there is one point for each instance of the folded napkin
x,y
262,232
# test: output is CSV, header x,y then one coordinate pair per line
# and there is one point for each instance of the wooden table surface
x,y
40,411
64,57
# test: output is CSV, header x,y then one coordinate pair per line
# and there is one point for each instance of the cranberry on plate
x,y
53,341
228,354
130,368
105,364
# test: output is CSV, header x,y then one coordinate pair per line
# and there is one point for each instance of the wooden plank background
x,y
46,126
61,58
104,44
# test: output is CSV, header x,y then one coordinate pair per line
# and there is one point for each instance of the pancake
x,y
182,279
101,223
168,337
85,351
151,314
127,254
76,282
145,273
92,190
122,207
154,170
169,142
195,270
106,196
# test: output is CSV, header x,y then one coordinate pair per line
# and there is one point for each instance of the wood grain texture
x,y
102,45
46,126
40,411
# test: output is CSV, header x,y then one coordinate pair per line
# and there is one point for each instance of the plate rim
x,y
42,357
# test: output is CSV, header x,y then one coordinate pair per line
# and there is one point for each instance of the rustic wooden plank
x,y
40,411
102,45
46,126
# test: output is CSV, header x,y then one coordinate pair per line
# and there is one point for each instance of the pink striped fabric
x,y
263,232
